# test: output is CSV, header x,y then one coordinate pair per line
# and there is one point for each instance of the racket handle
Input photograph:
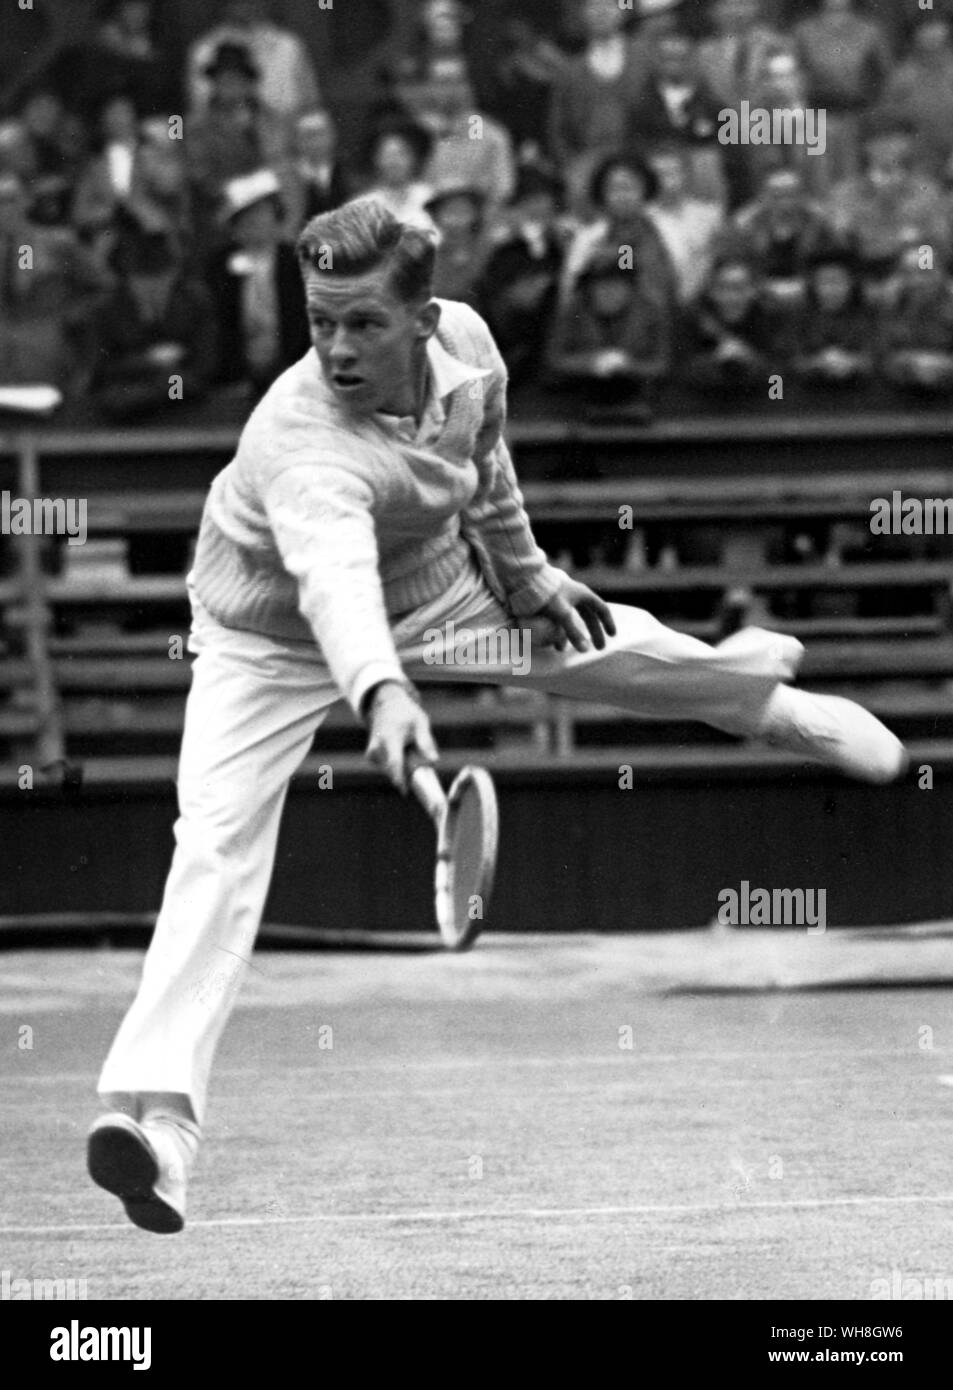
x,y
425,785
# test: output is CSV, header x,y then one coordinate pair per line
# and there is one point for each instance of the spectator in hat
x,y
689,226
469,147
256,286
891,203
397,156
620,189
519,287
676,108
458,213
916,326
732,342
46,279
288,84
612,339
235,133
847,59
318,181
922,90
779,233
836,330
151,340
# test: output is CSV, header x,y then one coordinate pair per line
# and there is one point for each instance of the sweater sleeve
x,y
323,524
496,523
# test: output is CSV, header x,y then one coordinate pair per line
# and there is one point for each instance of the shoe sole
x,y
121,1162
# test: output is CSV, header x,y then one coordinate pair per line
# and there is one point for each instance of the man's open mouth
x,y
347,381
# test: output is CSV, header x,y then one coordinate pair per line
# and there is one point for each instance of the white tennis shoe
x,y
145,1165
829,729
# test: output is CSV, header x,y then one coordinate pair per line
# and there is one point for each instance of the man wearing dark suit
x,y
676,107
256,284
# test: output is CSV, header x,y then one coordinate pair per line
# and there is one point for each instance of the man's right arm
x,y
323,524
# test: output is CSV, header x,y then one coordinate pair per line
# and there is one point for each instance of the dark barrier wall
x,y
576,854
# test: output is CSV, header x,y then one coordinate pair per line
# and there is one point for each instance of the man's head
x,y
733,289
449,89
670,166
368,285
621,185
783,194
119,120
253,210
398,152
833,272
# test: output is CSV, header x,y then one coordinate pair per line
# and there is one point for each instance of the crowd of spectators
x,y
577,181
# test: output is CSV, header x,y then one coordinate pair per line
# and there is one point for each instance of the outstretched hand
x,y
575,616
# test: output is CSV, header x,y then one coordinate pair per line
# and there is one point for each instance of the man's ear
x,y
427,319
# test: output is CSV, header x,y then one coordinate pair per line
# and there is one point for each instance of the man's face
x,y
783,194
624,193
832,286
671,173
733,291
368,341
394,161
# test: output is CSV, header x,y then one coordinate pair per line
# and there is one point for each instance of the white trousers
x,y
253,709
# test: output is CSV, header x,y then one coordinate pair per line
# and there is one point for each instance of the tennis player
x,y
371,501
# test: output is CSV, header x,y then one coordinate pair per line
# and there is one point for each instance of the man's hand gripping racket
x,y
466,818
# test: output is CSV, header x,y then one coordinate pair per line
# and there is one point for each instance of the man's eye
x,y
321,325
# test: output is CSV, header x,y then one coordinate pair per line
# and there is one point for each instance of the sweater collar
x,y
446,374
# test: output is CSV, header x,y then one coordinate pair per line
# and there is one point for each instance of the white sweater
x,y
326,527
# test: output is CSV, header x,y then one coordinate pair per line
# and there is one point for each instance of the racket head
x,y
466,858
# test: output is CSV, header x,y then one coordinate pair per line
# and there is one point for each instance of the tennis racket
x,y
467,824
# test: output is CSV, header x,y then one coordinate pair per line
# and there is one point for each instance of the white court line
x,y
396,1218
617,1058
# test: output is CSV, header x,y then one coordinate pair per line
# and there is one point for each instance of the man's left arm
x,y
497,526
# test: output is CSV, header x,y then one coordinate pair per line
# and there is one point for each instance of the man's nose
x,y
341,348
